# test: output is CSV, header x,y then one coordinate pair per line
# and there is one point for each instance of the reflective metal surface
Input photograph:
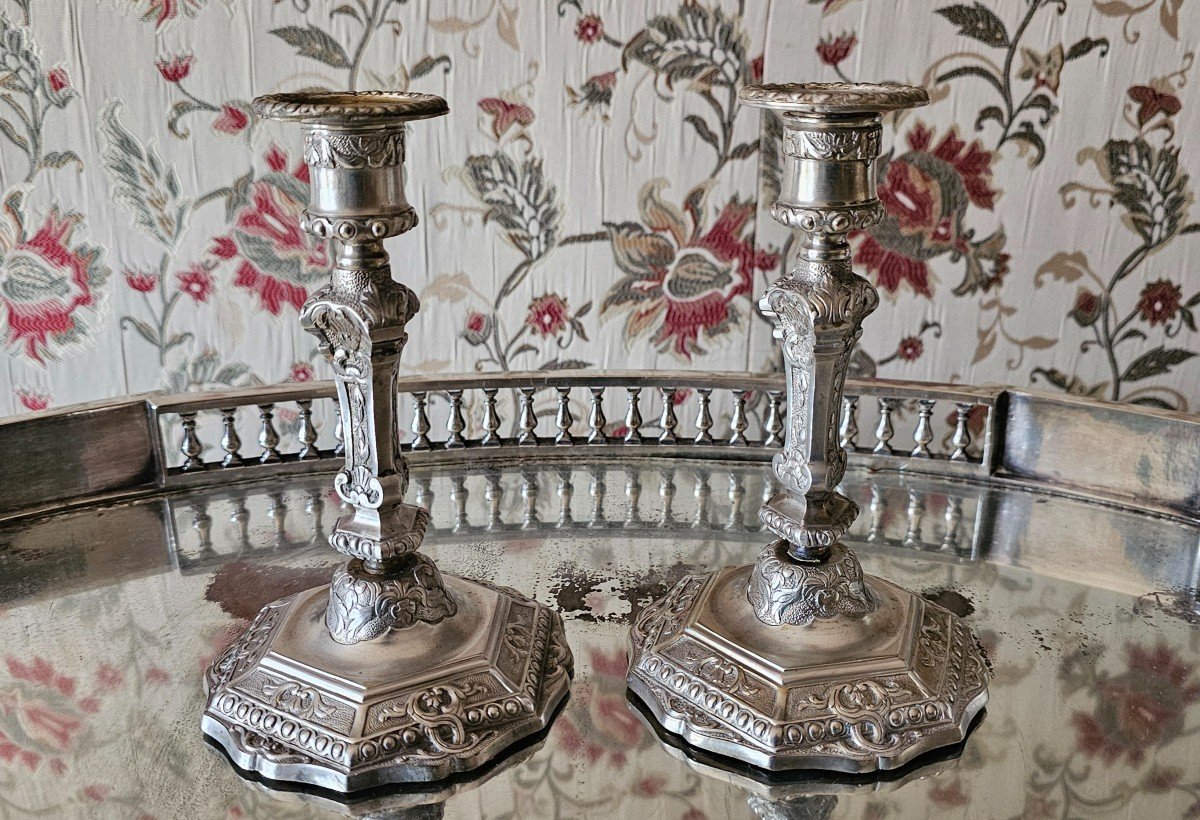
x,y
111,613
799,660
391,672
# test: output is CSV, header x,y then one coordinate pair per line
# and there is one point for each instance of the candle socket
x,y
800,660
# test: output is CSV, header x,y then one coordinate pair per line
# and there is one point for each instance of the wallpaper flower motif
x,y
598,198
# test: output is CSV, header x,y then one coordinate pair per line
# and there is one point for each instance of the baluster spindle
x,y
962,432
527,419
458,497
885,431
773,426
704,419
875,531
666,493
202,524
916,516
565,492
491,419
316,510
277,509
597,489
190,444
668,421
633,491
494,493
633,417
739,422
596,419
241,518
703,494
268,436
307,434
849,427
339,437
529,493
231,442
456,422
420,423
953,519
924,432
737,494
562,419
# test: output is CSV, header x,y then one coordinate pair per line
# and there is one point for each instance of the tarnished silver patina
x,y
393,672
800,660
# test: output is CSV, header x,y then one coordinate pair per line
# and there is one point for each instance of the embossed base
x,y
288,702
846,694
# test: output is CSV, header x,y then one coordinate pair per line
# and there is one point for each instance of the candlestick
x,y
800,660
393,672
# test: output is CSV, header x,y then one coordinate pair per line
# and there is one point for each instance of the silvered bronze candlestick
x,y
393,672
800,660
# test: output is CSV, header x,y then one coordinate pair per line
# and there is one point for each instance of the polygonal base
x,y
417,704
847,694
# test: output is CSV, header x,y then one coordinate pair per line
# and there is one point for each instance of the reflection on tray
x,y
662,501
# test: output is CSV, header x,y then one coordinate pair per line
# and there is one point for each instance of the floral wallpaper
x,y
597,198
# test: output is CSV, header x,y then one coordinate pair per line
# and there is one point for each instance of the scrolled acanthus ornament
x,y
782,591
364,605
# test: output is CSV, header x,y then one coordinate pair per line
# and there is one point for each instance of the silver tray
x,y
1068,532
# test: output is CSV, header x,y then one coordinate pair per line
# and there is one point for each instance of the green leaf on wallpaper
x,y
989,112
141,181
1067,383
702,130
348,10
977,22
972,71
1155,362
58,159
427,64
566,364
310,41
1042,102
1086,45
10,133
1151,401
143,329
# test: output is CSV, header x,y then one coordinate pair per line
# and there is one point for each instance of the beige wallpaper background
x,y
596,198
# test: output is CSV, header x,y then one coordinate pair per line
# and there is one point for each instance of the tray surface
x,y
1087,613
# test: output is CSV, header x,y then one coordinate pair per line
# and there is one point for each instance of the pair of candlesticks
x,y
396,673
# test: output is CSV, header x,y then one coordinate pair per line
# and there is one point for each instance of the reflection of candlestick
x,y
394,672
801,661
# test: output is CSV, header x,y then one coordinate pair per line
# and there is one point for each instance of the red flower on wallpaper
x,y
33,400
142,281
926,193
162,12
1159,302
589,28
548,315
910,348
1139,709
1152,102
505,114
595,95
197,283
57,79
49,284
233,120
681,276
175,69
275,259
302,372
600,727
833,50
41,717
